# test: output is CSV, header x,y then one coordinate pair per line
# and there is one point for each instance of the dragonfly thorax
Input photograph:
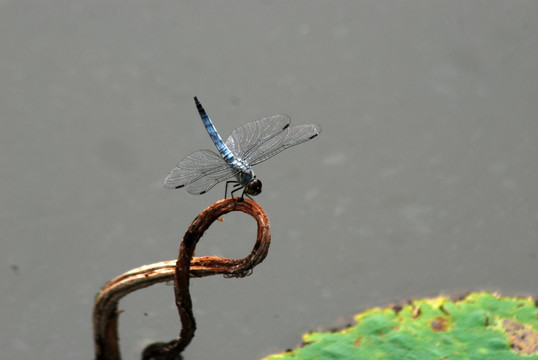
x,y
247,178
244,173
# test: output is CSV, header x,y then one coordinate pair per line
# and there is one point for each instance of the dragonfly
x,y
248,145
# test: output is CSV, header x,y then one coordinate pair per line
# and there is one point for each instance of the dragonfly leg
x,y
235,187
243,194
226,188
238,187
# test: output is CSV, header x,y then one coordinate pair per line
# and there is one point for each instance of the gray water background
x,y
423,181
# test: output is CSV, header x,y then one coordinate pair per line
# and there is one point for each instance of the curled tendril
x,y
105,310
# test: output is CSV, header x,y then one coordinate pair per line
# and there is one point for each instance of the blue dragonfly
x,y
248,145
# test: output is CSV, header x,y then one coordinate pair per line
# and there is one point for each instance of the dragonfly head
x,y
254,187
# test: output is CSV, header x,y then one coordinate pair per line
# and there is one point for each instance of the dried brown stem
x,y
105,311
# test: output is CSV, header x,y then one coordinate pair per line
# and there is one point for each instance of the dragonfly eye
x,y
254,187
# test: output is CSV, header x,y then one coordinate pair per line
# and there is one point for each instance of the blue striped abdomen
x,y
213,133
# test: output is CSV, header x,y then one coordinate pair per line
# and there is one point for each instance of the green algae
x,y
479,326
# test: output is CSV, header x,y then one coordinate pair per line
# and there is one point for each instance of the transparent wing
x,y
289,137
205,183
247,138
199,172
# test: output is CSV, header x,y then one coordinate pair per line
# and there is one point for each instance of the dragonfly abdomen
x,y
214,134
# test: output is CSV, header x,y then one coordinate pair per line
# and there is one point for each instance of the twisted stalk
x,y
105,310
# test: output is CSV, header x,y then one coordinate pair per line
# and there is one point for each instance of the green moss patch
x,y
479,326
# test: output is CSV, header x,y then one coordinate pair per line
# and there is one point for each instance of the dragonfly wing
x,y
204,184
199,172
289,137
246,138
